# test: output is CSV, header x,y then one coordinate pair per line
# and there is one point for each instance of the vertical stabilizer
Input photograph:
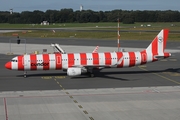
x,y
158,45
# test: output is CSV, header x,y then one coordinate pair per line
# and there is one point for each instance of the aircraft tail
x,y
158,45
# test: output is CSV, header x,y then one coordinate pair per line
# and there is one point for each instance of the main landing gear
x,y
90,73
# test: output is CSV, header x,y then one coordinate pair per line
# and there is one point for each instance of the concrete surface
x,y
6,48
142,103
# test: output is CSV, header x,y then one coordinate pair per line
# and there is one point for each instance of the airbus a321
x,y
77,63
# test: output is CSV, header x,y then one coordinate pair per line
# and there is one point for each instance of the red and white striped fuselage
x,y
65,61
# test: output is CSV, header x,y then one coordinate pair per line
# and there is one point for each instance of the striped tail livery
x,y
77,63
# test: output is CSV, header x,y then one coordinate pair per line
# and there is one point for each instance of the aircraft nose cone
x,y
8,65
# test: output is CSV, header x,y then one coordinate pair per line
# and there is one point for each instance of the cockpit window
x,y
14,60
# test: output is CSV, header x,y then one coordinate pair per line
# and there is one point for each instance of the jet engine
x,y
74,71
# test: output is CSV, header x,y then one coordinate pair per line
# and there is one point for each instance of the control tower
x,y
81,7
11,11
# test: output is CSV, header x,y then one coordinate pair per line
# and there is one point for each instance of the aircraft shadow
x,y
105,74
143,72
42,74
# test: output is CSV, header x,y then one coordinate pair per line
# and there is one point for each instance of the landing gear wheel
x,y
90,72
91,75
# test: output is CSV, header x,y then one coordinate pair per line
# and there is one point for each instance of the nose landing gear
x,y
25,74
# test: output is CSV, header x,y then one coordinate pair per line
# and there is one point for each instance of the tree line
x,y
85,16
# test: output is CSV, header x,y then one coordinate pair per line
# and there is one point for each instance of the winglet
x,y
96,49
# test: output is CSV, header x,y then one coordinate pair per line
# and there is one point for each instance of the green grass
x,y
103,34
100,24
94,35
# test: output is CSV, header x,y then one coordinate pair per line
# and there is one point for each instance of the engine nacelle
x,y
73,71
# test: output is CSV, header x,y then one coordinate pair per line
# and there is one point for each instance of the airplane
x,y
76,64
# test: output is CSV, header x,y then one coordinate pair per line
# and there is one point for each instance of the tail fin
x,y
158,45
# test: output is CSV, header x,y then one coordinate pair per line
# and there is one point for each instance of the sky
x,y
95,5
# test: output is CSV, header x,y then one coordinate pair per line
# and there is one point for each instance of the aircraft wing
x,y
103,66
59,49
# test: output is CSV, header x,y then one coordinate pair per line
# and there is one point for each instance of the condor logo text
x,y
39,64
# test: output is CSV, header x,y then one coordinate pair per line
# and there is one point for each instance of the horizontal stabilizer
x,y
165,55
